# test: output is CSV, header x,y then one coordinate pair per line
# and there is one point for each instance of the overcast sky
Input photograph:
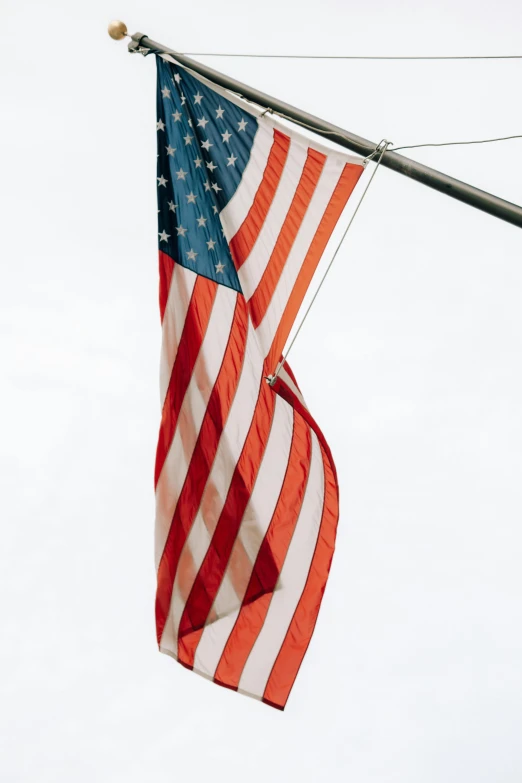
x,y
410,361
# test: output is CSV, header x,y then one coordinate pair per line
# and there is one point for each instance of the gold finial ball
x,y
117,30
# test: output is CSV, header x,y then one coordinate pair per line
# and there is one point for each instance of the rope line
x,y
379,150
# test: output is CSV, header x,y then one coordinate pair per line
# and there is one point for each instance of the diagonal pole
x,y
493,205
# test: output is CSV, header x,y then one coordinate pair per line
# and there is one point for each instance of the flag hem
x,y
208,677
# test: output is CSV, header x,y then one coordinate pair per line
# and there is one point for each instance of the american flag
x,y
246,488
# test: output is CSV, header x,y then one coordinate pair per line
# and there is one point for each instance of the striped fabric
x,y
246,489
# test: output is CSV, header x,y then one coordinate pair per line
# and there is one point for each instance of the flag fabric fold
x,y
246,488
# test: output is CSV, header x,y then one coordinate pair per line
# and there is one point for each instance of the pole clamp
x,y
135,46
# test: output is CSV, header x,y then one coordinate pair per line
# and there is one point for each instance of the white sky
x,y
410,362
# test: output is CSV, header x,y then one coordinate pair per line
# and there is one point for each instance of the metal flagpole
x,y
461,191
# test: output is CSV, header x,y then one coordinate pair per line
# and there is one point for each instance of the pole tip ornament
x,y
117,30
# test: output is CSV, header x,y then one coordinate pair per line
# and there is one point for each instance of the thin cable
x,y
356,57
405,147
339,132
453,143
381,147
393,148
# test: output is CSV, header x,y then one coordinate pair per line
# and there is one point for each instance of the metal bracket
x,y
135,46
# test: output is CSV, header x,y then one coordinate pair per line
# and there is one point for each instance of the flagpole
x,y
480,199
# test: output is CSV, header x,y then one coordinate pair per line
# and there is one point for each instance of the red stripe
x,y
166,266
243,241
211,502
286,367
194,328
343,189
202,458
213,568
187,428
287,394
262,296
270,559
303,622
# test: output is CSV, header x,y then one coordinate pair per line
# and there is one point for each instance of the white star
x,y
211,166
181,174
177,78
181,231
183,99
162,181
177,116
191,198
219,113
191,255
201,222
226,136
207,145
172,206
219,267
198,98
211,244
198,162
231,160
202,122
170,150
216,210
165,92
190,123
160,125
207,186
216,187
242,125
188,139
164,237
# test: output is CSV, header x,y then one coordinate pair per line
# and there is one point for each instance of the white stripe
x,y
309,139
287,380
292,581
192,411
227,455
169,637
175,469
251,272
180,291
256,520
235,212
314,214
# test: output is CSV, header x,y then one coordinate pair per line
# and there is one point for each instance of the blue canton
x,y
204,145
